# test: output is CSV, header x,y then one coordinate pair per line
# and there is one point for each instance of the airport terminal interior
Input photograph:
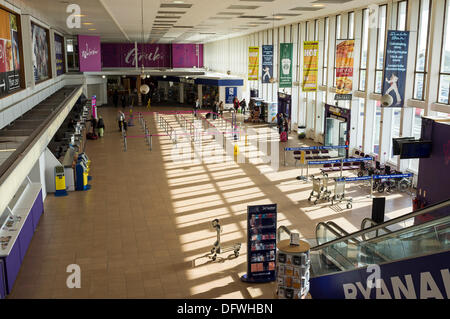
x,y
233,149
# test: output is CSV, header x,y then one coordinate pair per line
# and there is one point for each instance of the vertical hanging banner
x,y
286,65
59,54
395,66
89,53
267,63
253,63
310,65
344,69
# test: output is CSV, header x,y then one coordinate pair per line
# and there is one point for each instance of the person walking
x,y
221,108
236,104
116,98
243,106
280,122
100,126
196,106
120,119
215,109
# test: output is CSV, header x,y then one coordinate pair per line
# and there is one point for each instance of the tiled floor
x,y
142,229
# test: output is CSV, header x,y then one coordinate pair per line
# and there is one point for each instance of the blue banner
x,y
395,66
323,162
267,63
354,179
416,278
361,159
230,94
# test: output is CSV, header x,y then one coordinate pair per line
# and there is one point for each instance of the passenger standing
x,y
236,104
221,108
120,119
100,126
196,106
243,106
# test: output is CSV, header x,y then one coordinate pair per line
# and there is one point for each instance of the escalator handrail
x,y
327,227
405,230
340,229
373,223
393,221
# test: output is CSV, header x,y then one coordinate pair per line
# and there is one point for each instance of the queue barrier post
x,y
151,142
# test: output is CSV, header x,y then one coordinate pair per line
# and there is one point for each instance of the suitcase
x,y
283,137
91,136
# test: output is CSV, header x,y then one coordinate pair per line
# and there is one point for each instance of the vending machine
x,y
60,182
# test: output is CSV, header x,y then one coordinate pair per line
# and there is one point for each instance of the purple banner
x,y
89,52
123,55
187,55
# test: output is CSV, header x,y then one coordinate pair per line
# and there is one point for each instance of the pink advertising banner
x,y
124,55
89,52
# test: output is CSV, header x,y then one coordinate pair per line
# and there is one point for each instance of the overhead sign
x,y
267,63
395,66
125,55
344,69
286,65
310,65
253,63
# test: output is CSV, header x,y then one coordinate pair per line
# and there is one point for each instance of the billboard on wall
x,y
344,69
187,55
59,54
395,66
124,55
267,63
310,65
40,55
253,63
286,65
89,52
9,53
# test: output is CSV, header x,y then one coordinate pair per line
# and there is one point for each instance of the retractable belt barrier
x,y
311,148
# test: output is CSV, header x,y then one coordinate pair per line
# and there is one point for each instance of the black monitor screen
x,y
396,144
416,149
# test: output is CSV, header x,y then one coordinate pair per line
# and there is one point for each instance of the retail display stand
x,y
261,243
293,263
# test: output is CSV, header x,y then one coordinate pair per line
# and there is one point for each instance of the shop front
x,y
224,90
337,127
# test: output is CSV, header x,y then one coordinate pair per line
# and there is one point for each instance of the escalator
x,y
412,257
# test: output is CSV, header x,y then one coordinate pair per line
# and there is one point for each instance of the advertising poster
x,y
262,243
230,94
253,63
286,65
272,111
344,69
310,65
40,55
59,54
395,66
267,63
9,53
124,55
89,53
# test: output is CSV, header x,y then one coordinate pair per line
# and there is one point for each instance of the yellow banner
x,y
344,66
253,63
310,65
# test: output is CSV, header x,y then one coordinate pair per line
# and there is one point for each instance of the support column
x,y
181,93
200,93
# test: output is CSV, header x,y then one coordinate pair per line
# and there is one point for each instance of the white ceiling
x,y
203,21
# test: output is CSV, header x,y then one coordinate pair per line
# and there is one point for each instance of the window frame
x,y
363,24
446,20
425,71
377,70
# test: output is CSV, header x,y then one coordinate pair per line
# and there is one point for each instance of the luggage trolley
x,y
320,187
339,193
217,247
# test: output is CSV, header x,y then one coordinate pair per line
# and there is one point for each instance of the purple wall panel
x,y
25,236
2,280
89,52
187,55
123,55
433,182
12,266
37,210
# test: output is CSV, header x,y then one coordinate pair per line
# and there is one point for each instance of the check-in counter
x,y
17,232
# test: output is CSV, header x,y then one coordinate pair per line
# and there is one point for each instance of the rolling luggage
x,y
283,137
